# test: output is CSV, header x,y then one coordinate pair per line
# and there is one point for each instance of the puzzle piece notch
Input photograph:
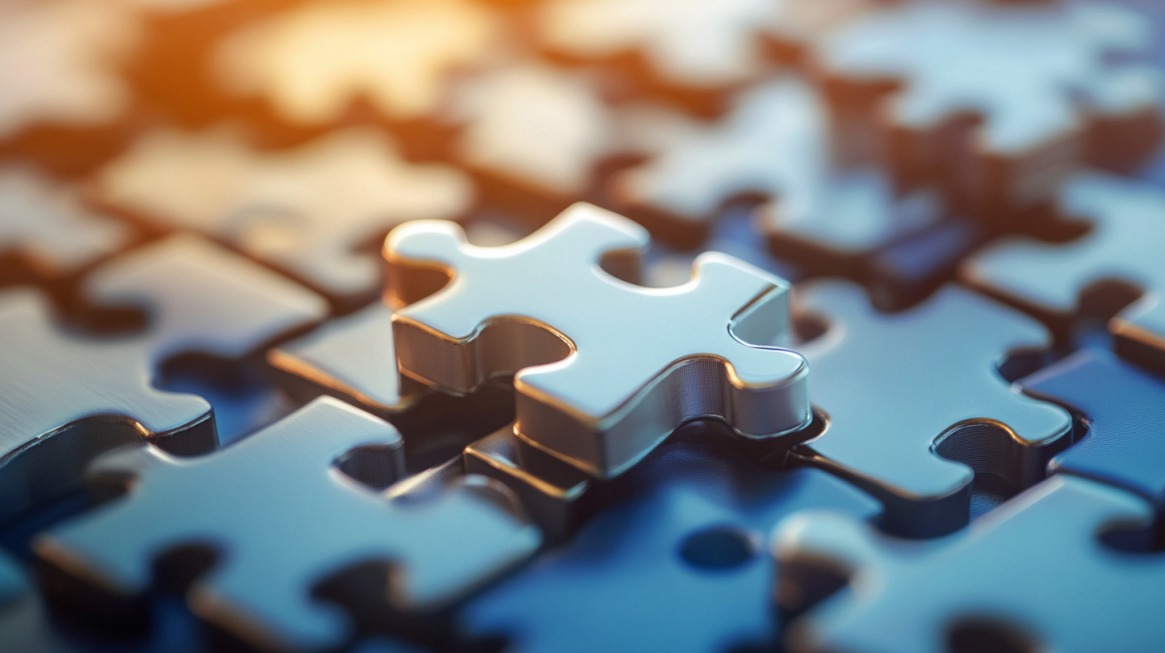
x,y
45,225
308,211
1015,148
919,460
1017,573
502,313
1052,280
685,494
313,62
234,497
1123,406
69,398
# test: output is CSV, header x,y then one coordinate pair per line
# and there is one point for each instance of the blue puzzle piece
x,y
625,582
1125,408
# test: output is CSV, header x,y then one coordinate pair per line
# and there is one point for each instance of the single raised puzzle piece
x,y
1122,248
1034,74
700,45
312,62
682,541
530,130
774,145
307,210
1013,581
58,63
43,225
1125,410
67,398
916,405
234,504
543,308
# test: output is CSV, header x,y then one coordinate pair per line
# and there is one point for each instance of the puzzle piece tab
x,y
66,399
312,62
601,365
45,226
1034,74
1125,409
916,405
1127,220
1016,577
236,504
307,210
656,548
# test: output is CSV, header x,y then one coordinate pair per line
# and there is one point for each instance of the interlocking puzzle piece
x,y
545,309
681,542
556,495
916,405
354,358
774,145
703,45
235,503
306,210
1013,581
58,62
1125,409
66,398
1032,74
313,61
46,227
1127,221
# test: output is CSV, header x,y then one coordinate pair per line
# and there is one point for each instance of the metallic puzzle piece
x,y
916,405
1125,409
1123,247
67,398
1018,577
625,583
281,521
605,369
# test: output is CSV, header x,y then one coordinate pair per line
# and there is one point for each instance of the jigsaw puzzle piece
x,y
45,226
1121,249
313,62
680,541
692,49
232,504
307,211
1012,581
1125,409
67,398
1013,88
502,313
58,63
916,405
